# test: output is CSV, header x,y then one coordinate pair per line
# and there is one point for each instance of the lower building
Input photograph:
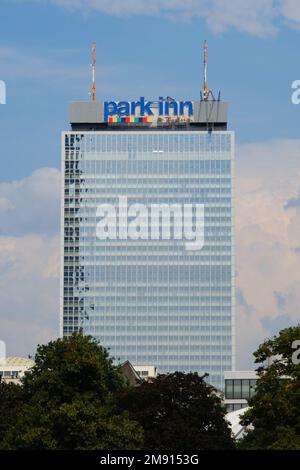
x,y
239,387
135,375
130,374
12,369
146,372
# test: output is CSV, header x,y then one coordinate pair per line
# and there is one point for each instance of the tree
x,y
178,412
69,401
10,405
274,420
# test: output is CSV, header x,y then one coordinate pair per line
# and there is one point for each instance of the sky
x,y
150,48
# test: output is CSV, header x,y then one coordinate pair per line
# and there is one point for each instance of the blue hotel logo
x,y
144,108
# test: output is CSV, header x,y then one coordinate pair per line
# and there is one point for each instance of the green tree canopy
x,y
68,401
178,412
10,404
274,417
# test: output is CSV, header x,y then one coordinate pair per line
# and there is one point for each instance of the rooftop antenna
x,y
93,93
205,91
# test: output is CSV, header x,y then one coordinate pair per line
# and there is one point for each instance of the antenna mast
x,y
205,92
93,94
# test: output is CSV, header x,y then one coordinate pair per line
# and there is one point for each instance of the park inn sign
x,y
144,108
150,112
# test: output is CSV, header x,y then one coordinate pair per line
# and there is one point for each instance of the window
x,y
229,389
246,389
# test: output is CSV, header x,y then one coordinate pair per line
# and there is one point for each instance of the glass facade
x,y
235,406
150,301
236,389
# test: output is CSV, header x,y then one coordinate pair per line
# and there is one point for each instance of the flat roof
x,y
15,361
240,374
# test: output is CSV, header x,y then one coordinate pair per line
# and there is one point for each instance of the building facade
x,y
13,369
146,372
151,300
239,388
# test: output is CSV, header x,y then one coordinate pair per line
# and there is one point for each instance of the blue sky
x,y
150,48
45,56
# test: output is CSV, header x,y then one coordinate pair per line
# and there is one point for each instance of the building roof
x,y
233,418
240,374
130,374
14,361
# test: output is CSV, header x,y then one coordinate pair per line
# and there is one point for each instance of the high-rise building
x,y
142,285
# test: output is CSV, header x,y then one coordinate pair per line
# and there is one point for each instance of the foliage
x,y
68,401
178,412
10,405
274,419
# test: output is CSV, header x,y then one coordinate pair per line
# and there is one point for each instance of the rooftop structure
x,y
12,369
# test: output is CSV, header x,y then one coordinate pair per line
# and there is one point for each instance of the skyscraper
x,y
149,295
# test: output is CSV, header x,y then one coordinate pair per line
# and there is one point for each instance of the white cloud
x,y
5,204
268,275
291,13
257,17
31,205
29,260
29,285
254,17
